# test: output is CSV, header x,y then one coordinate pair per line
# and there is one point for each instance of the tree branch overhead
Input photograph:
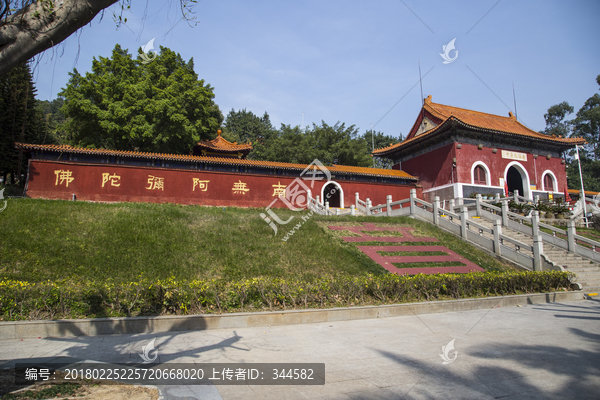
x,y
42,25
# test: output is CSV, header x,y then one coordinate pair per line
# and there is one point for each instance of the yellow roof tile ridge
x,y
225,160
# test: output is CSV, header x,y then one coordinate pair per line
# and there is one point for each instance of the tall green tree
x,y
587,125
330,144
246,127
339,144
20,120
290,144
380,140
54,120
590,170
556,125
132,104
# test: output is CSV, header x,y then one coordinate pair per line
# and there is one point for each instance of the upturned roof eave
x,y
338,169
455,122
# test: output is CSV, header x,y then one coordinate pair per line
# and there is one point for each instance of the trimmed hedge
x,y
67,299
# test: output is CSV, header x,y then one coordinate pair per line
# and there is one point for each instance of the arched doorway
x,y
332,192
517,178
514,180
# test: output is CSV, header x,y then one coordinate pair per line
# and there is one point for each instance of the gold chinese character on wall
x,y
114,179
202,185
64,176
279,189
156,183
240,187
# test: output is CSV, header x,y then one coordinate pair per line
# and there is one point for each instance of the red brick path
x,y
387,261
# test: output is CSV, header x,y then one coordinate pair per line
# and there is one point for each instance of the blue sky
x,y
352,61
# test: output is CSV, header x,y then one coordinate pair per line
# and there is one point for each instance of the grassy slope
x,y
42,240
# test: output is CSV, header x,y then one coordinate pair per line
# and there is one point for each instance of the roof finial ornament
x,y
219,132
428,99
511,115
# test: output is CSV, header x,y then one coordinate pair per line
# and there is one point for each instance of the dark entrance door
x,y
514,181
332,195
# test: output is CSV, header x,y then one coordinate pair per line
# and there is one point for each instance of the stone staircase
x,y
588,272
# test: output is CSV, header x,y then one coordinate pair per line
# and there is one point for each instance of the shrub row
x,y
67,299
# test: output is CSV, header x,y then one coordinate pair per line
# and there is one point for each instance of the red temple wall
x,y
469,154
178,185
433,168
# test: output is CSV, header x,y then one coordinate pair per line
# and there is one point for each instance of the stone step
x,y
582,270
587,274
564,258
576,268
595,288
575,264
589,277
590,267
580,267
589,281
594,280
591,289
520,238
575,260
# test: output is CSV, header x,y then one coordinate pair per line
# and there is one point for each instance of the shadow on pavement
x,y
507,372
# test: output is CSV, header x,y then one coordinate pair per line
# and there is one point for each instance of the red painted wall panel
x,y
433,168
469,154
60,180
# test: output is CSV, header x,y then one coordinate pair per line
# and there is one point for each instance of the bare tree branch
x,y
41,25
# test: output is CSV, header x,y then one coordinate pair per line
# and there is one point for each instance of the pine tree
x,y
20,120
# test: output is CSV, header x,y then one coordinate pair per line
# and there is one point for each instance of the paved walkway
x,y
548,351
419,264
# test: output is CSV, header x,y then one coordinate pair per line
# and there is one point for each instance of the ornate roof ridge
x,y
476,120
214,160
221,144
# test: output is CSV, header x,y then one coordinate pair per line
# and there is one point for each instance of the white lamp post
x,y
582,189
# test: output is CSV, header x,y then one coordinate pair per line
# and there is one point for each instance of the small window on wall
x,y
479,176
548,183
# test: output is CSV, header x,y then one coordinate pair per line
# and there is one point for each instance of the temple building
x,y
217,173
221,147
457,152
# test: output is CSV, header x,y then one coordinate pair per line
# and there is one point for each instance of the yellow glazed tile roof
x,y
342,169
222,144
476,119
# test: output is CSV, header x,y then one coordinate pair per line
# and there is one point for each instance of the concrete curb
x,y
123,325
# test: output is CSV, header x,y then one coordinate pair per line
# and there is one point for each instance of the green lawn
x,y
589,233
42,239
429,264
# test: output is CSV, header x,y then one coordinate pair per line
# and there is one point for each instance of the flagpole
x,y
373,141
582,189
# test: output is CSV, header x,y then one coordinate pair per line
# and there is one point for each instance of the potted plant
x,y
519,208
514,207
525,209
542,209
560,211
545,209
